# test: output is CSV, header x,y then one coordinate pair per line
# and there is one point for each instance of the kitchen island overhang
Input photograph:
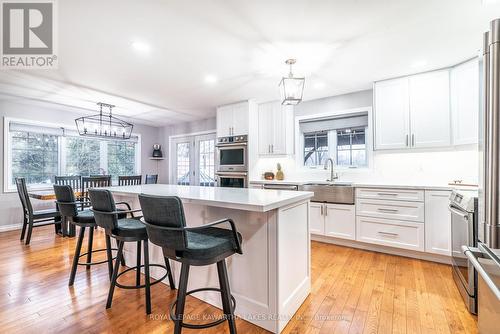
x,y
273,276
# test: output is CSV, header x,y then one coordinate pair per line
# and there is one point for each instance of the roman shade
x,y
334,123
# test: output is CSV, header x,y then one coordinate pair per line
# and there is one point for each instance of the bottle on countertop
x,y
280,176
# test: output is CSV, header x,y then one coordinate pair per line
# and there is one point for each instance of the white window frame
x,y
7,170
332,138
185,137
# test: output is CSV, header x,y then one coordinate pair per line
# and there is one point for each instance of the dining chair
x,y
151,179
129,180
75,181
32,218
94,181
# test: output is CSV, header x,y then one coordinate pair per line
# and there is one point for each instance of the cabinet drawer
x,y
391,194
400,210
392,233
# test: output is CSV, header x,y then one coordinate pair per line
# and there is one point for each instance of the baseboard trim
x,y
11,227
383,249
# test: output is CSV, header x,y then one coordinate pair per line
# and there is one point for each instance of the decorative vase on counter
x,y
280,176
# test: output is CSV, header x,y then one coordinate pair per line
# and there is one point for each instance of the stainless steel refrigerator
x,y
489,142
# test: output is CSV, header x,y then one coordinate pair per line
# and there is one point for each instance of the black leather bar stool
x,y
192,246
35,218
70,210
125,230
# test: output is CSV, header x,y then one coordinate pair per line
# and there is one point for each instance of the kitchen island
x,y
272,278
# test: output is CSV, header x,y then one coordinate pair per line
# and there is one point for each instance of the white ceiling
x,y
341,45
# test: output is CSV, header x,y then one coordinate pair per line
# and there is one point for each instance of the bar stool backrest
x,y
165,221
94,182
24,196
66,202
74,181
151,179
129,180
102,200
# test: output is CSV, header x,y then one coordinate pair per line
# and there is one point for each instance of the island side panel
x,y
294,260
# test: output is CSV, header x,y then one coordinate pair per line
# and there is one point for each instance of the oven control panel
x,y
232,139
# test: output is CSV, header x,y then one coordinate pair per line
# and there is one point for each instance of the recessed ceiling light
x,y
141,47
319,85
210,78
419,63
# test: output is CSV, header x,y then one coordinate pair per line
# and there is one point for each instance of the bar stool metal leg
x,y
30,230
181,298
146,272
171,282
226,295
76,257
89,247
138,263
119,256
109,255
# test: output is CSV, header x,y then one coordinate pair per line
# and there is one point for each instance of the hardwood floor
x,y
353,291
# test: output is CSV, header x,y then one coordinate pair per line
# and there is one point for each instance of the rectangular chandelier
x,y
104,125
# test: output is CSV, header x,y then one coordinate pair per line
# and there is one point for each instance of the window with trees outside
x,y
340,137
39,153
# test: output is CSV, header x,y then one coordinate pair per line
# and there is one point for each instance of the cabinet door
x,y
340,221
240,119
265,128
465,102
430,109
437,222
224,121
279,129
391,114
316,218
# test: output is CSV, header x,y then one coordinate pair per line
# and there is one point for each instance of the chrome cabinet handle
x,y
326,211
387,210
321,209
387,194
272,148
406,140
413,140
389,234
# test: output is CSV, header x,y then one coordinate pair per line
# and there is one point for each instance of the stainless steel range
x,y
464,223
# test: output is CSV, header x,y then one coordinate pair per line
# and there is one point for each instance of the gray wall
x,y
335,103
10,207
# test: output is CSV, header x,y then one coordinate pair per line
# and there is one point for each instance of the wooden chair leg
x,y
147,281
76,257
226,295
138,263
109,255
30,230
119,256
171,281
89,247
181,298
23,232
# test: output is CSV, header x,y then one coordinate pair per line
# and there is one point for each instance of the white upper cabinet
x,y
391,114
430,109
233,119
275,129
465,102
413,111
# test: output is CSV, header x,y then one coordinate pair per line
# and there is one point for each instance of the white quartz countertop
x,y
375,184
233,198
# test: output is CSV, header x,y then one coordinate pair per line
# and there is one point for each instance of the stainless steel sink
x,y
331,192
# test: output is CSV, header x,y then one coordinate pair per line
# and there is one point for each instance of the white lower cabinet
x,y
395,233
333,220
316,218
437,222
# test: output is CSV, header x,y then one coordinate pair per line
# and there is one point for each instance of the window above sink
x,y
345,137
